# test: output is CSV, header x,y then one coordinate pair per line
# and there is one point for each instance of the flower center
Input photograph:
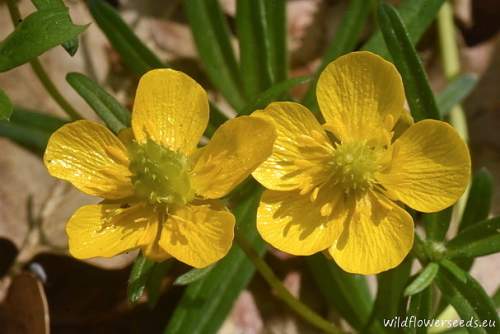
x,y
160,175
354,165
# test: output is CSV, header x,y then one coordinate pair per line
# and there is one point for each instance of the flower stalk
x,y
281,292
40,72
451,66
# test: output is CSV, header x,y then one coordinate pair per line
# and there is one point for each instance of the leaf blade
x,y
136,56
211,36
37,33
423,280
480,239
418,92
105,106
6,107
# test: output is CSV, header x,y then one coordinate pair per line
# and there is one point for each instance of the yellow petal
x,y
376,238
107,230
360,94
430,168
296,225
171,109
198,235
235,150
90,157
300,148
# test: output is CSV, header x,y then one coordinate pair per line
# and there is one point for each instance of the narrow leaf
x,y
136,56
276,37
417,16
153,283
452,295
255,58
423,280
193,275
139,277
212,39
37,33
6,107
210,299
479,199
391,285
109,110
36,120
275,93
470,290
344,41
480,239
455,92
30,129
417,89
496,298
71,46
421,308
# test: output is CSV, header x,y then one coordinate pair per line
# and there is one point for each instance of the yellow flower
x,y
337,190
160,190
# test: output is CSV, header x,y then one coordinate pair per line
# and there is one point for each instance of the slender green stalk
x,y
451,62
451,66
296,305
40,72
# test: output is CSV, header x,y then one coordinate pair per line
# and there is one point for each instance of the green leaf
x,y
421,308
479,200
496,298
454,296
109,110
466,295
437,224
6,106
255,62
455,92
212,39
207,302
37,33
139,276
417,89
346,293
193,275
480,239
276,37
417,16
30,129
423,280
390,287
136,56
153,283
275,93
344,41
71,46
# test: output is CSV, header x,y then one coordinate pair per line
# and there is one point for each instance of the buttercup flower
x,y
339,190
160,190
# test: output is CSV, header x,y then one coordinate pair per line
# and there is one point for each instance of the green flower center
x,y
354,165
160,175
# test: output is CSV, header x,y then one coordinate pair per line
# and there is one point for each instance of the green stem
x,y
451,62
40,72
451,65
296,305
